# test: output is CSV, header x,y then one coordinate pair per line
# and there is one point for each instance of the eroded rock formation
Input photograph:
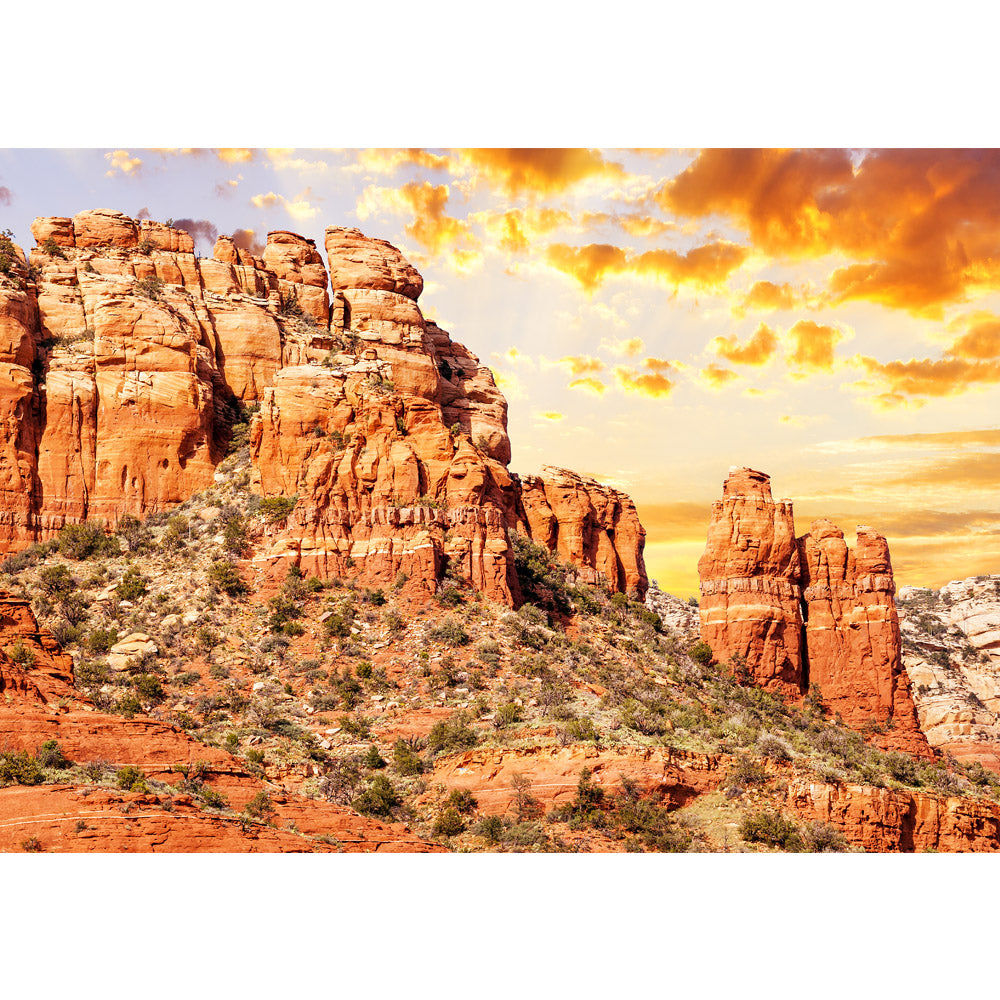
x,y
806,612
126,357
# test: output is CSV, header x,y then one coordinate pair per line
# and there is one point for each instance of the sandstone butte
x,y
806,611
125,360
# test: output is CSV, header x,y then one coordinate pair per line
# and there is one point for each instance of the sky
x,y
828,316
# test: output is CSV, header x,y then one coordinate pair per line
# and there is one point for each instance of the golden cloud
x,y
388,161
812,346
981,342
655,385
920,223
716,377
235,155
299,208
590,385
122,160
581,364
758,350
938,439
532,172
282,159
516,229
553,415
704,266
766,296
926,377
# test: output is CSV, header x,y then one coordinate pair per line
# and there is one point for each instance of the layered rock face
x,y
952,656
852,629
126,358
587,524
750,589
806,611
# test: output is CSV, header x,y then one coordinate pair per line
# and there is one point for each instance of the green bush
x,y
132,532
224,576
374,760
451,735
378,799
507,715
449,823
701,652
490,828
770,827
150,288
149,689
541,577
260,807
56,580
19,768
450,632
50,755
462,800
131,586
81,541
131,779
405,761
275,509
22,654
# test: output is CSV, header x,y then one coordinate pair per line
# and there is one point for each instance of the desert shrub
x,y
450,632
488,652
50,755
490,828
582,729
224,576
773,747
449,823
132,532
451,735
56,580
50,247
374,760
650,824
21,654
149,288
461,800
275,509
744,774
130,779
823,838
260,807
638,717
19,768
449,597
701,652
378,799
770,827
149,689
234,534
405,761
81,541
902,767
31,846
541,576
355,725
131,586
341,780
8,253
507,715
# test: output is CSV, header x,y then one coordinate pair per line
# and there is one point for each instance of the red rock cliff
x,y
124,356
806,611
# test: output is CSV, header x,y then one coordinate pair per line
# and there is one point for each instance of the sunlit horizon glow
x,y
830,317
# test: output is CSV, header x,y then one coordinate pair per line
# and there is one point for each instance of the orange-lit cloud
x,y
758,350
516,229
590,385
927,377
766,296
939,439
282,159
246,239
717,378
533,172
704,266
919,224
122,160
432,227
981,342
235,155
388,161
655,385
553,415
581,364
812,346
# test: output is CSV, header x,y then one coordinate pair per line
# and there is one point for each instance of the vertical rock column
x,y
750,593
852,633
